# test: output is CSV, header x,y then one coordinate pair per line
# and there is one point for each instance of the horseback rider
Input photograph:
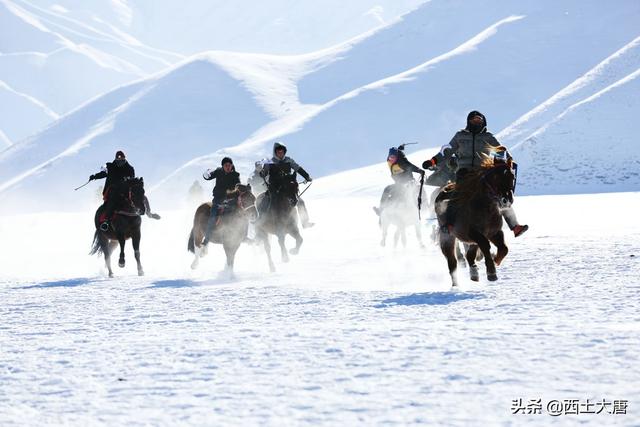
x,y
256,181
467,149
402,171
280,170
116,172
226,179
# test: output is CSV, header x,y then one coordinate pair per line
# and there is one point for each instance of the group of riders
x,y
464,153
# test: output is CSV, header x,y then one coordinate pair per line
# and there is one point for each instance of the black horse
x,y
477,201
232,226
277,215
130,203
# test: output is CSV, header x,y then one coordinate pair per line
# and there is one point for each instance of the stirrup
x,y
104,226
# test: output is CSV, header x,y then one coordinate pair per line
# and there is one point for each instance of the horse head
x,y
246,201
131,195
500,182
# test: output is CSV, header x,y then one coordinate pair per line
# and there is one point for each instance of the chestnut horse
x,y
231,228
476,201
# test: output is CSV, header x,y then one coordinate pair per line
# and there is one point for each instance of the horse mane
x,y
473,183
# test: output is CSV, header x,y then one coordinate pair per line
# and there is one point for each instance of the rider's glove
x,y
92,177
429,164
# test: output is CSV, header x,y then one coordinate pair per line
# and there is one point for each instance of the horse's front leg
x,y
472,251
419,234
109,247
230,250
385,230
498,240
267,248
135,241
121,240
296,235
485,247
283,247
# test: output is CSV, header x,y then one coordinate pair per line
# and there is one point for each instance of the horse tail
x,y
96,248
191,246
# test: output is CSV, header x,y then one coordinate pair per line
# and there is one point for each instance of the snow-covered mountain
x,y
342,107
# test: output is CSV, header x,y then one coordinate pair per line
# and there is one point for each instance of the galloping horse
x,y
231,228
477,201
130,203
277,215
401,210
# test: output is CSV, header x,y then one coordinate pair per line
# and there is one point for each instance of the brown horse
x,y
130,202
231,228
277,215
476,200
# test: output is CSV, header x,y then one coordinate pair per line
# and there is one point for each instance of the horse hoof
x,y
121,264
140,273
473,274
492,277
194,265
272,268
110,274
294,251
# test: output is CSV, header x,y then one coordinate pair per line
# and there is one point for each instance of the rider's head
x,y
120,159
227,164
392,158
476,122
279,150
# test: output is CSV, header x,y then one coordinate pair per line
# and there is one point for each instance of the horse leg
x,y
447,246
230,250
471,259
485,247
498,240
267,249
460,256
419,235
135,241
385,229
283,248
121,240
109,247
295,233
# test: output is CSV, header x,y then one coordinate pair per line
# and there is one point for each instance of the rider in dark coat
x,y
280,170
469,147
116,172
402,171
226,179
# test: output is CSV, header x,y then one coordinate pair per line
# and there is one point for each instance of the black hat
x,y
278,146
120,155
475,113
226,160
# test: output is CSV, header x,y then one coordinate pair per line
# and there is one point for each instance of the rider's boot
x,y
519,230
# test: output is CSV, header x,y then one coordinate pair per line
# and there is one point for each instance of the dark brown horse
x,y
277,215
231,228
476,201
130,203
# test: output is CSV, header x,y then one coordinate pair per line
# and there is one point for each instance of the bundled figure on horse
x,y
399,201
118,218
277,206
472,208
224,220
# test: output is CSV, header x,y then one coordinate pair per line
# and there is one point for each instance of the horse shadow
x,y
66,283
429,298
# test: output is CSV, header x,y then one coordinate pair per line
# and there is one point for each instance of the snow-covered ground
x,y
347,332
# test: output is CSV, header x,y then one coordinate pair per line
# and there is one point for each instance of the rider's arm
x,y
210,174
296,167
99,175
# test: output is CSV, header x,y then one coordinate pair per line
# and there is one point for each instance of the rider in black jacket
x,y
115,172
226,179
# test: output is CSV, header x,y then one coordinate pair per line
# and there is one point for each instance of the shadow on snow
x,y
429,298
